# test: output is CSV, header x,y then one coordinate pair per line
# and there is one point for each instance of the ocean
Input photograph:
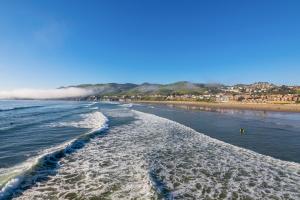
x,y
92,150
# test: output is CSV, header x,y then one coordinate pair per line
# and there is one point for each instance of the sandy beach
x,y
244,106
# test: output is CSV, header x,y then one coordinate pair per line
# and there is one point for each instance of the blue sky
x,y
47,44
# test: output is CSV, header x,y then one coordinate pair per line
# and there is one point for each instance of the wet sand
x,y
244,106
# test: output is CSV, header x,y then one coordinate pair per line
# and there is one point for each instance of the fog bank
x,y
70,92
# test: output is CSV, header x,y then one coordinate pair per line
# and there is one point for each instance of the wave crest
x,y
95,120
21,177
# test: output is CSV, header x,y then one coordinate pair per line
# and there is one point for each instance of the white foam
x,y
10,186
111,102
133,159
95,120
256,176
12,177
128,105
119,113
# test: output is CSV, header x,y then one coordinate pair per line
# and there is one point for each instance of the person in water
x,y
242,131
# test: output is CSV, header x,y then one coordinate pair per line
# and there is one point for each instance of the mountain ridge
x,y
180,87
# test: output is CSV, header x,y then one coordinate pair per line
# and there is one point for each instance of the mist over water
x,y
60,93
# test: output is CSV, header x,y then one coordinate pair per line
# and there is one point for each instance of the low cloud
x,y
70,92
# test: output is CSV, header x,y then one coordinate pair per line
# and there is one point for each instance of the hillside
x,y
183,87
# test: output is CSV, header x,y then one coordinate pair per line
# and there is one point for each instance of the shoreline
x,y
295,108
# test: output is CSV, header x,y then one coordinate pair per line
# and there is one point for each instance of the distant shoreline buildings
x,y
261,92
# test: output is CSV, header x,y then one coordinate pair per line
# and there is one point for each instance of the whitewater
x,y
15,179
129,154
152,158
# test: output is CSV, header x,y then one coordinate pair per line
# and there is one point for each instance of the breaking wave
x,y
93,120
13,181
129,105
156,158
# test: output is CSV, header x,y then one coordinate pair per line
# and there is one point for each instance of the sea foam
x,y
156,158
95,120
27,173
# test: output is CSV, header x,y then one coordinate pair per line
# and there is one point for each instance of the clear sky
x,y
49,43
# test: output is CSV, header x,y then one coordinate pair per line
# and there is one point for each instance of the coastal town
x,y
261,92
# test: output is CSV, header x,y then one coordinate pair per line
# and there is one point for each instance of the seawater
x,y
85,150
275,134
